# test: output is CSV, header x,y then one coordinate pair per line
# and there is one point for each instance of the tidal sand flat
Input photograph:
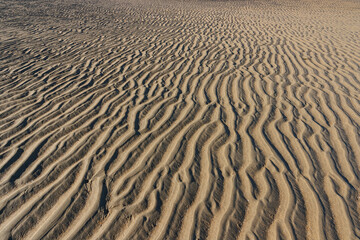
x,y
179,119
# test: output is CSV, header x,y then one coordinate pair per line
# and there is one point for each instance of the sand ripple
x,y
179,121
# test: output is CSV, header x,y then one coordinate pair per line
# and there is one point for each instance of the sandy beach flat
x,y
179,119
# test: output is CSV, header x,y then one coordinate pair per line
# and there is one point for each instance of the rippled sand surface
x,y
179,120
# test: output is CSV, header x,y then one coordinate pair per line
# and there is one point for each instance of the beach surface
x,y
179,120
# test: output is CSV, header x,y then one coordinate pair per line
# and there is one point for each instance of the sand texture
x,y
179,120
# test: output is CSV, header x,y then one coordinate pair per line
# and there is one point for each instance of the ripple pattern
x,y
179,121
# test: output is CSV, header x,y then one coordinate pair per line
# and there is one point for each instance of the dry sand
x,y
233,120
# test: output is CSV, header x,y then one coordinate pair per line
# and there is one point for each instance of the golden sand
x,y
179,120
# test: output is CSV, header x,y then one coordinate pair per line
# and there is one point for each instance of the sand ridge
x,y
129,120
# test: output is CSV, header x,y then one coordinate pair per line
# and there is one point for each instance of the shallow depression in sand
x,y
179,120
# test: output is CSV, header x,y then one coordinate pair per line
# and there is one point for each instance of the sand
x,y
179,120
